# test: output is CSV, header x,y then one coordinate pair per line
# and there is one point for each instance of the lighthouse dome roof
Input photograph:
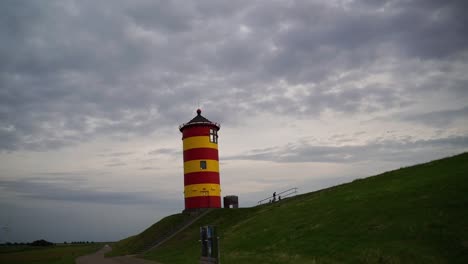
x,y
199,120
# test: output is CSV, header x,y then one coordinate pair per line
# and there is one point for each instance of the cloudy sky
x,y
309,94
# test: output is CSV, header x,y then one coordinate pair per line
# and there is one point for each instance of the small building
x,y
231,201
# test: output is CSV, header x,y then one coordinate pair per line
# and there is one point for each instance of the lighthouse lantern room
x,y
201,163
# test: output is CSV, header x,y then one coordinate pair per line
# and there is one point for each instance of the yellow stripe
x,y
207,189
194,166
199,142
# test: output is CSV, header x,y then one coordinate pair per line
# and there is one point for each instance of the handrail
x,y
288,193
174,230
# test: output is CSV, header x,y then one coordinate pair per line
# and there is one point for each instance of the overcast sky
x,y
309,94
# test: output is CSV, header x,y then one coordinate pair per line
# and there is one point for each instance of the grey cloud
x,y
71,71
65,177
56,191
171,17
436,30
439,118
116,154
115,163
149,168
383,150
165,151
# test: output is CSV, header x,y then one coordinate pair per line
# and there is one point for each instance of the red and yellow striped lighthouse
x,y
201,166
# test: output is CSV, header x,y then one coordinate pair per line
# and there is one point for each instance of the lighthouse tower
x,y
201,167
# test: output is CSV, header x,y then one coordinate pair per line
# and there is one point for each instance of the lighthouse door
x,y
206,199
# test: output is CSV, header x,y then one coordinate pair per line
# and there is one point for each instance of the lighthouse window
x,y
213,136
203,164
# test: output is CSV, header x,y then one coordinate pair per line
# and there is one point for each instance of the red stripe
x,y
196,131
201,177
203,202
201,153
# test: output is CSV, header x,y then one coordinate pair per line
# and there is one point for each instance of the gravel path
x,y
98,258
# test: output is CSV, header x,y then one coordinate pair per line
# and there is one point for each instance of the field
x,y
410,215
60,254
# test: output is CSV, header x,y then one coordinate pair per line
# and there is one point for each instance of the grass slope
x,y
411,215
133,244
61,254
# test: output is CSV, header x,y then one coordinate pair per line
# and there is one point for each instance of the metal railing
x,y
173,231
282,194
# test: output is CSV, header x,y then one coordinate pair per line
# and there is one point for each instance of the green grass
x,y
133,244
417,214
61,254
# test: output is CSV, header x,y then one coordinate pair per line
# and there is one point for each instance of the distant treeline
x,y
44,243
79,242
37,243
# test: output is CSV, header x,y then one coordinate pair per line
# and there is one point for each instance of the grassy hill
x,y
133,244
417,214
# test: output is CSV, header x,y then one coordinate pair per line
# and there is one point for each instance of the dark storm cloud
x,y
379,150
70,71
59,191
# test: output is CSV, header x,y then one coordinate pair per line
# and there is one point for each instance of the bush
x,y
41,243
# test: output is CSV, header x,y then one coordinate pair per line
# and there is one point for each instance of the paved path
x,y
98,258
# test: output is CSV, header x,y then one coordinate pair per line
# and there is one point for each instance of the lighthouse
x,y
201,163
